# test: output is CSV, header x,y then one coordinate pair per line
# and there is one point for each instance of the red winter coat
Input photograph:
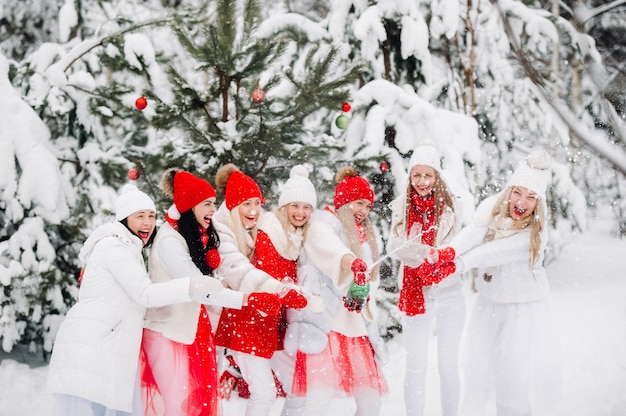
x,y
245,330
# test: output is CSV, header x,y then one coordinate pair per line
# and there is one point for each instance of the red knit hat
x,y
240,187
351,188
189,191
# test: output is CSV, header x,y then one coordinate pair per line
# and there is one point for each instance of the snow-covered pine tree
x,y
64,77
35,249
462,57
450,61
255,95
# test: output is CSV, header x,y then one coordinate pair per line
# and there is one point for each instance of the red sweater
x,y
245,330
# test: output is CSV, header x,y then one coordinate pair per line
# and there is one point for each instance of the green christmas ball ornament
x,y
342,121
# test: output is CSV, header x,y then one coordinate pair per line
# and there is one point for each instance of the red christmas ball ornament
x,y
258,96
346,107
133,174
141,103
384,167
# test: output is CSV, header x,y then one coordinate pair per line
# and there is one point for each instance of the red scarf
x,y
171,221
204,237
361,231
421,211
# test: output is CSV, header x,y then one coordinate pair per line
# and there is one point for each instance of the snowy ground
x,y
589,293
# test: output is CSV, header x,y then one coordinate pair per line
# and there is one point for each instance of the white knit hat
x,y
533,173
298,188
426,154
130,201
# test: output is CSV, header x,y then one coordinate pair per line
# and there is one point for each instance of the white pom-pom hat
x,y
425,154
533,173
298,188
130,201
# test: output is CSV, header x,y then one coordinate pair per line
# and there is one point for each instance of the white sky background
x,y
588,292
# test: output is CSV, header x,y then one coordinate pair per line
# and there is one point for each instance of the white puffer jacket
x,y
96,351
504,273
320,272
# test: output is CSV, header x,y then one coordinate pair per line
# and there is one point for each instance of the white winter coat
x,y
96,351
239,274
449,225
504,260
325,245
170,260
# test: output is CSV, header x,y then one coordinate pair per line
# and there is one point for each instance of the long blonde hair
x,y
443,198
344,213
245,237
290,229
535,221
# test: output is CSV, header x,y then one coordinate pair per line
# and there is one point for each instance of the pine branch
x,y
87,46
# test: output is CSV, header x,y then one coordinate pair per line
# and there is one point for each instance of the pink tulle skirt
x,y
346,364
179,379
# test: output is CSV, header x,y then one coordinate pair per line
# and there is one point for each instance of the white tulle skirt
x,y
512,357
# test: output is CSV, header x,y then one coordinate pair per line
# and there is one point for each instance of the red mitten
x,y
428,274
359,267
447,269
446,255
431,274
213,258
294,300
268,303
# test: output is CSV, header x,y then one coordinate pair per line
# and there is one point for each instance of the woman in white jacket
x,y
338,352
179,377
511,347
94,364
424,217
236,222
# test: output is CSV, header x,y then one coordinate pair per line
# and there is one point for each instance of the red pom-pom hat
x,y
239,188
189,191
352,188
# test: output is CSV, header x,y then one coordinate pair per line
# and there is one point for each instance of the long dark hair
x,y
188,228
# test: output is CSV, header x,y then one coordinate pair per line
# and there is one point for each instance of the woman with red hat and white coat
x,y
236,224
180,368
338,351
423,217
253,338
94,367
512,345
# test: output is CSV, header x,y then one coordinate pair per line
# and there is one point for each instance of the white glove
x,y
411,252
201,288
315,303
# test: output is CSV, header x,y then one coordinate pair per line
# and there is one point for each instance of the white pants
x,y
448,310
258,374
512,352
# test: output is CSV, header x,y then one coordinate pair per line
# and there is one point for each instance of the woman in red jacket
x,y
251,336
